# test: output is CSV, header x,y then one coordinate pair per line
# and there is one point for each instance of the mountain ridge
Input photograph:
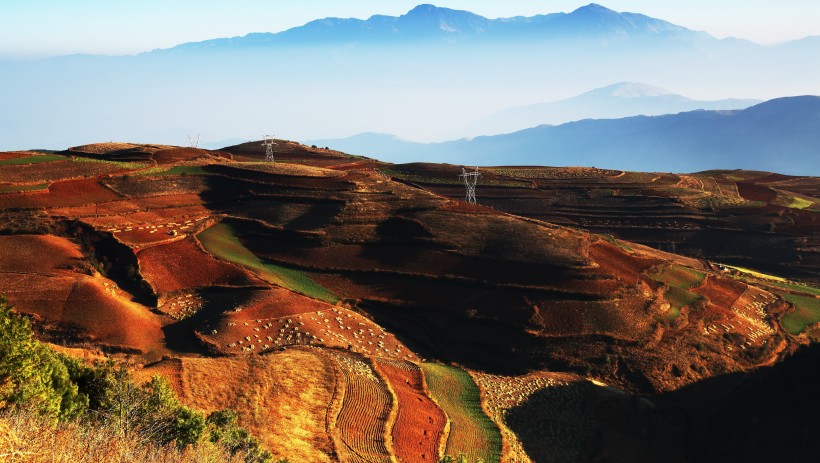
x,y
755,138
623,99
429,88
427,21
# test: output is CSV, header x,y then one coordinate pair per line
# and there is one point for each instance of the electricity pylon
x,y
268,144
470,179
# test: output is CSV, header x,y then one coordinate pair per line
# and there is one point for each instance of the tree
x,y
36,379
223,428
32,376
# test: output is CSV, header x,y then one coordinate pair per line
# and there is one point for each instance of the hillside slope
x,y
320,296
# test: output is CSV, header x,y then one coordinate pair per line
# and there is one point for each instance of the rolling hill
x,y
353,310
619,100
777,135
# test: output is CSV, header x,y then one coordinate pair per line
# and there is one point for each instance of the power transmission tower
x,y
268,144
193,141
470,179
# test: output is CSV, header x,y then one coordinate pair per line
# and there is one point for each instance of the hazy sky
x,y
53,27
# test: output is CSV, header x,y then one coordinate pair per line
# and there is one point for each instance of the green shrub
x,y
224,429
33,377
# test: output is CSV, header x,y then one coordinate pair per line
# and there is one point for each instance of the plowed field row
x,y
472,433
419,425
360,429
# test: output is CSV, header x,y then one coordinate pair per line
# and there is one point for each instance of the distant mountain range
x,y
781,135
615,101
430,23
425,75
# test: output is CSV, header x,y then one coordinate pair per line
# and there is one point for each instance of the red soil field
x,y
150,210
183,264
755,192
114,147
753,309
173,155
37,293
625,318
467,208
358,165
110,319
623,266
56,170
37,254
160,203
21,200
646,252
35,273
61,194
153,233
279,318
721,292
14,155
419,425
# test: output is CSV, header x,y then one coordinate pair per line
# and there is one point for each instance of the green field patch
x,y
806,313
611,240
16,188
554,173
679,277
449,180
733,175
121,164
222,242
756,274
679,280
680,192
36,159
679,298
472,433
798,288
723,202
176,170
792,202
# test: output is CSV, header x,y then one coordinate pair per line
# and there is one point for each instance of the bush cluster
x,y
38,381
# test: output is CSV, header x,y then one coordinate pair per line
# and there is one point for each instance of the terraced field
x,y
360,429
418,428
715,215
471,432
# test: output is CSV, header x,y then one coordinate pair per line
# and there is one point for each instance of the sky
x,y
40,28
